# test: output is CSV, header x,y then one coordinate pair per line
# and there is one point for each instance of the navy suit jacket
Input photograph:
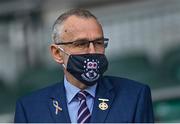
x,y
129,101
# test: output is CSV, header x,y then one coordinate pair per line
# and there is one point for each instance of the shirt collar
x,y
72,90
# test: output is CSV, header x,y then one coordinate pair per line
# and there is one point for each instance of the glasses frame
x,y
104,39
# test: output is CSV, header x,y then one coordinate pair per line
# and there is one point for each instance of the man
x,y
85,95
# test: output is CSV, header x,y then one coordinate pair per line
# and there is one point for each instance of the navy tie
x,y
84,114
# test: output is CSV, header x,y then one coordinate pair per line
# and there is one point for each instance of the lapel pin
x,y
103,105
56,105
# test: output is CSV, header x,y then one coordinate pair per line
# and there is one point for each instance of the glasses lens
x,y
83,44
80,44
101,43
98,44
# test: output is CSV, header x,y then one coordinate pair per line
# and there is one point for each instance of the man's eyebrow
x,y
87,39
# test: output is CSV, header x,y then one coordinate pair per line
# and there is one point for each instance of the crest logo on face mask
x,y
90,70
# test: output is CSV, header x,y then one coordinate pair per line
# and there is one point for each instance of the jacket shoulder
x,y
124,83
41,94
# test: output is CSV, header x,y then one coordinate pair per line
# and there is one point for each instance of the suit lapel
x,y
104,91
58,96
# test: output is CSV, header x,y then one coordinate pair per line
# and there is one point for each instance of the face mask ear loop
x,y
64,66
61,49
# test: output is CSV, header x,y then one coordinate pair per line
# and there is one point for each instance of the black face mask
x,y
87,68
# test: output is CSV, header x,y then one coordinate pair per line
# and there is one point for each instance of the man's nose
x,y
91,48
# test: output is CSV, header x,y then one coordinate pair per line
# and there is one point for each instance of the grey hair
x,y
58,25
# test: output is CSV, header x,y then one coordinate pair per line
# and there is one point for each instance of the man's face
x,y
80,30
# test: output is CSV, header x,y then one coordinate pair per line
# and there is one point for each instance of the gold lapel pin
x,y
56,105
103,105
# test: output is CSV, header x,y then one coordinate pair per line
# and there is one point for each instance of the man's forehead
x,y
74,23
74,26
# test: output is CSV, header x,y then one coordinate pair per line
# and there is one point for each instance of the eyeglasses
x,y
84,44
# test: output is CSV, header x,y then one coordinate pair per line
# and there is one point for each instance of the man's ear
x,y
56,54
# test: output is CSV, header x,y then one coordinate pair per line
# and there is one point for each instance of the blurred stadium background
x,y
144,46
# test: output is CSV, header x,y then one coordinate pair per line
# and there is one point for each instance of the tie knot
x,y
81,95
